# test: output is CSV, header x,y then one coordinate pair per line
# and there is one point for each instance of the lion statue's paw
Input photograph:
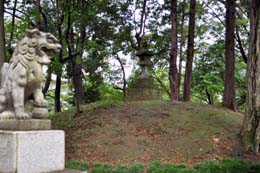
x,y
7,115
22,115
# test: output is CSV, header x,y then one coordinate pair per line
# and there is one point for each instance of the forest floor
x,y
145,131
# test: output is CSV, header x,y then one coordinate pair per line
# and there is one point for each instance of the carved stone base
x,y
40,113
144,89
32,151
32,124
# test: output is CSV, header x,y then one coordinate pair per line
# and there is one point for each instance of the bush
x,y
102,168
72,164
228,166
105,168
156,167
223,166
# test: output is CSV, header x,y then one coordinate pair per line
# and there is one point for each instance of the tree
x,y
173,71
182,39
190,52
250,131
229,99
2,35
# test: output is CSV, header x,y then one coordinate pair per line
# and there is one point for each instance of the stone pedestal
x,y
31,124
144,89
32,151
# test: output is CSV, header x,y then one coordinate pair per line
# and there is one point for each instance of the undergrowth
x,y
229,165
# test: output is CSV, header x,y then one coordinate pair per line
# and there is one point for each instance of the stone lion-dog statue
x,y
22,78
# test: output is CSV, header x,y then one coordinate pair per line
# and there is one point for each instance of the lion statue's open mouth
x,y
51,45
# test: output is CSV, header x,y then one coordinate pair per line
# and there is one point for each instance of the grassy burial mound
x,y
145,131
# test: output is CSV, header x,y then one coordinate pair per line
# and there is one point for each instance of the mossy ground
x,y
145,131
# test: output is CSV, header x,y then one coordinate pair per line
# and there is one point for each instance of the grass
x,y
222,166
144,131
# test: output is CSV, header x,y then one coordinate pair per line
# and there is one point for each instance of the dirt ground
x,y
125,133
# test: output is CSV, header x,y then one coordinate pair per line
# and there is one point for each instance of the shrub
x,y
72,164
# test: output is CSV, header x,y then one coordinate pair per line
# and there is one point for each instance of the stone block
x,y
32,151
31,124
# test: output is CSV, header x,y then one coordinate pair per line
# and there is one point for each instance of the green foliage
x,y
102,168
228,166
108,93
157,167
223,166
72,164
136,168
208,74
106,168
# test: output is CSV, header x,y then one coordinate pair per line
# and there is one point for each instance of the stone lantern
x,y
145,87
145,62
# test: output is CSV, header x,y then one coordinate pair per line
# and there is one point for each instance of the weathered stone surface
x,y
32,151
22,78
32,124
40,113
7,153
144,89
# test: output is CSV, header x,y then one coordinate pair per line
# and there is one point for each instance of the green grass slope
x,y
124,133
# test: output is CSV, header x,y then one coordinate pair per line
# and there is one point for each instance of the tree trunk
x,y
251,126
141,33
47,81
190,52
173,72
77,77
58,77
78,84
181,45
2,35
57,94
38,14
229,99
123,75
10,50
209,97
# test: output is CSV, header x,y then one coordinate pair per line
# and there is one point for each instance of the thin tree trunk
x,y
173,71
123,77
58,77
57,94
140,34
209,97
76,68
10,50
38,14
251,126
240,46
181,45
190,53
48,81
2,35
229,99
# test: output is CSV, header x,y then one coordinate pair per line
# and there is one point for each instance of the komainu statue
x,y
22,78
